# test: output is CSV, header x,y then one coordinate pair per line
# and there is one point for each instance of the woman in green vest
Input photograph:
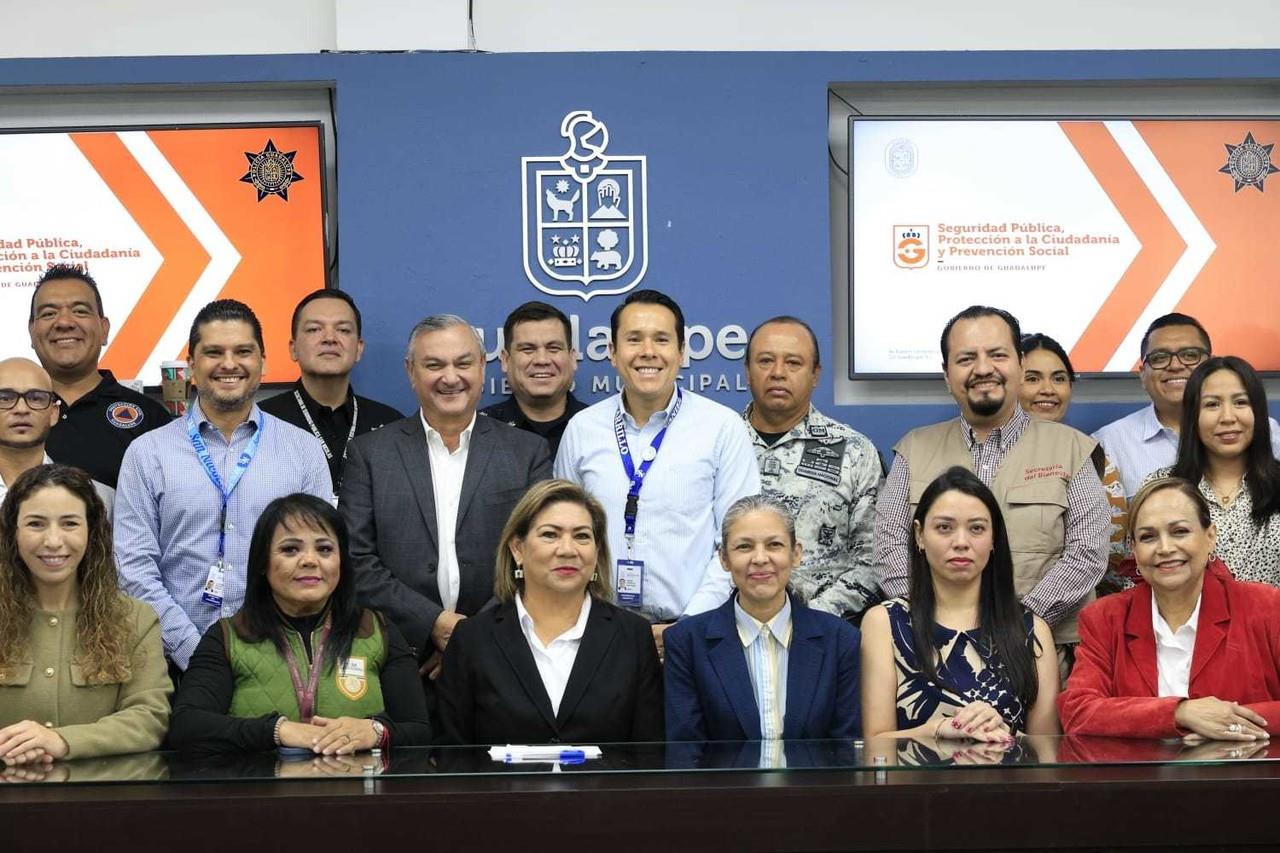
x,y
82,671
301,665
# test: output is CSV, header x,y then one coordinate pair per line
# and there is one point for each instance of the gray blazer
x,y
389,506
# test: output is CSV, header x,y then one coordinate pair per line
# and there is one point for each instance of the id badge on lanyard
x,y
215,583
629,572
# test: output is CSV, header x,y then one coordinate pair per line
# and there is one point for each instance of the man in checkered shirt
x,y
1041,473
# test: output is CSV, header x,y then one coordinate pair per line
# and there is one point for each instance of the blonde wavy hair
x,y
539,497
102,623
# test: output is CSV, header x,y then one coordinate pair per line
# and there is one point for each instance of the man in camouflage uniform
x,y
827,473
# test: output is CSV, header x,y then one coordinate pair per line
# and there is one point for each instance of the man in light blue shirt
x,y
1139,443
225,461
692,458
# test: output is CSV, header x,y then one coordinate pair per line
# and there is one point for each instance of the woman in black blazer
x,y
555,661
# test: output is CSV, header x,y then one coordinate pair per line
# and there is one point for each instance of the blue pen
x,y
563,756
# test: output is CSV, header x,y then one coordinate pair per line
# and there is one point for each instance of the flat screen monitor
x,y
165,220
1084,229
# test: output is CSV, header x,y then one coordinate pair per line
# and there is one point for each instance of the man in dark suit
x,y
426,497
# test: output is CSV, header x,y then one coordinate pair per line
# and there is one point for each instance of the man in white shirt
x,y
665,462
1139,443
425,498
28,412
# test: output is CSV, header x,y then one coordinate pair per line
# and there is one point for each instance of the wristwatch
x,y
379,733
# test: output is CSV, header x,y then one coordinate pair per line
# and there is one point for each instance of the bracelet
x,y
275,732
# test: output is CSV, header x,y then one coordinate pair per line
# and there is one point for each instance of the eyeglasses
x,y
1190,356
37,400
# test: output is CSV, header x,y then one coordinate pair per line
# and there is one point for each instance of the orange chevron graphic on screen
x,y
1235,295
183,257
281,243
1160,243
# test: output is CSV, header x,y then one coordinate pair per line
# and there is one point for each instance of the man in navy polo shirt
x,y
99,417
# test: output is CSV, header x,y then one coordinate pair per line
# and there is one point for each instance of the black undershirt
x,y
771,438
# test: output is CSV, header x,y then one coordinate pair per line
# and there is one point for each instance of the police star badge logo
x,y
1249,163
586,214
271,171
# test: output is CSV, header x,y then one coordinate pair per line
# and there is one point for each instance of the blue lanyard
x,y
634,474
206,460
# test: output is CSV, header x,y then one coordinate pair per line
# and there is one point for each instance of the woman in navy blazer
x,y
719,662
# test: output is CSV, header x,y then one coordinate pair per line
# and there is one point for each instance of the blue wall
x,y
429,148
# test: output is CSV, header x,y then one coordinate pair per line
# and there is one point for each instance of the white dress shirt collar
x,y
1174,650
574,633
555,659
434,436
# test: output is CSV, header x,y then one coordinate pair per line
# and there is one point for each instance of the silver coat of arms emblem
x,y
586,223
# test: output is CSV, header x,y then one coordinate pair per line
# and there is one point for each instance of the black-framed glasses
x,y
1190,356
37,400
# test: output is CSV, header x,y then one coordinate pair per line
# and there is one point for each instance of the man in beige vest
x,y
1054,507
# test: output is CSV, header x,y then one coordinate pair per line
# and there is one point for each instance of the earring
x,y
595,576
519,572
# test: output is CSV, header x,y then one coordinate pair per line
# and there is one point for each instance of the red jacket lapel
x,y
1140,638
1211,629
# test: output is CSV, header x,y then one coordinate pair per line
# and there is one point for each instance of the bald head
x,y
23,426
25,370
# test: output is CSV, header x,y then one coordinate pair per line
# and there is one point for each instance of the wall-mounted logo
x,y
586,214
911,246
271,171
1249,163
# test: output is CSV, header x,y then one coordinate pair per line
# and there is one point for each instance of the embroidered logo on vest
x,y
351,678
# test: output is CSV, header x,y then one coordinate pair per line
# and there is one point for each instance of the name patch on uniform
x,y
123,415
1045,472
352,678
822,462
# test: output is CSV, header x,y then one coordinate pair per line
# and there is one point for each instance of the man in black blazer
x,y
426,497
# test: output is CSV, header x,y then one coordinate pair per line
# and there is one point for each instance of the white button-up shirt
x,y
447,469
1173,651
554,660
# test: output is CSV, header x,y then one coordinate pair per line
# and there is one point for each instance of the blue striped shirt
x,y
167,511
766,645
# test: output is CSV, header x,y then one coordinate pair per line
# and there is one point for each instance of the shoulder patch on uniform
x,y
124,415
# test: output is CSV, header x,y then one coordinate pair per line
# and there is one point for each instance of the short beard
x,y
229,404
986,406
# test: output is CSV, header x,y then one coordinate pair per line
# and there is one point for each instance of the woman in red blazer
x,y
1121,686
